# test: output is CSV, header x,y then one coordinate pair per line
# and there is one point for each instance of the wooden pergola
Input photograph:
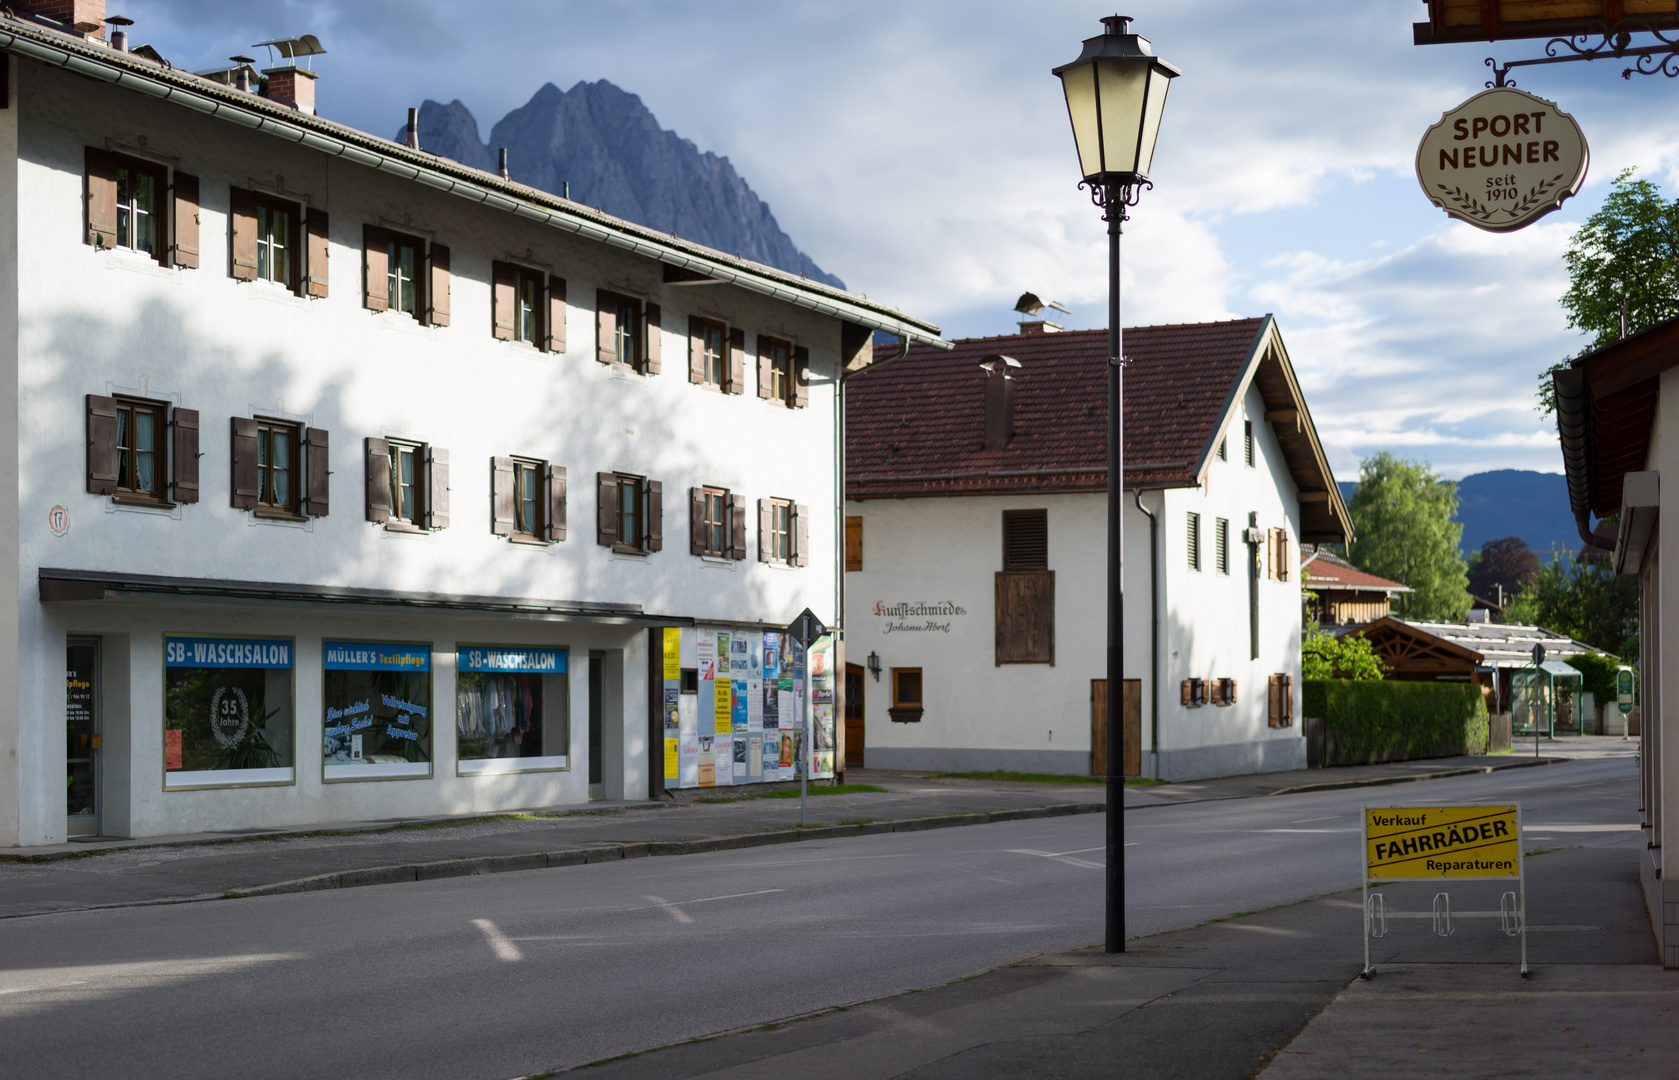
x,y
1415,655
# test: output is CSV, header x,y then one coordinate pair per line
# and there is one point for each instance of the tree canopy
x,y
1507,562
1403,530
1584,599
1623,261
1325,656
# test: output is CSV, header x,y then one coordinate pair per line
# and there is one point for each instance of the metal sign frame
x,y
1512,906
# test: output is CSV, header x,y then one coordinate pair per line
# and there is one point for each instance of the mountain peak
x,y
607,145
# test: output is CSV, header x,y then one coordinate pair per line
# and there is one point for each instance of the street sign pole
x,y
804,630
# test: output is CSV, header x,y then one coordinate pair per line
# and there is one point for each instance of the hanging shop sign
x,y
1502,160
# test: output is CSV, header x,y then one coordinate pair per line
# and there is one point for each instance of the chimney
x,y
413,140
502,168
999,400
293,84
85,16
119,36
1039,326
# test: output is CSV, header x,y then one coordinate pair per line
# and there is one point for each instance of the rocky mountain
x,y
609,147
1511,502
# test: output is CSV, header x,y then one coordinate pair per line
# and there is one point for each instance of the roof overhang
x,y
252,113
1454,21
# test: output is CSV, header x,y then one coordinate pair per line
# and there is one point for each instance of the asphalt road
x,y
505,975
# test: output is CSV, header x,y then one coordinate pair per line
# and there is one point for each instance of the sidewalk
x,y
1228,998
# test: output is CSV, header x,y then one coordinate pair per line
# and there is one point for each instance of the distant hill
x,y
609,147
1511,502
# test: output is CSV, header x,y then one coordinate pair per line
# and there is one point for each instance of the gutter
x,y
1574,431
1155,684
258,114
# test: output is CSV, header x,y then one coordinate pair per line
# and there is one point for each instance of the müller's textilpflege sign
x,y
1502,160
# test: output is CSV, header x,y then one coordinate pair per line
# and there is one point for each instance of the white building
x,y
977,530
350,482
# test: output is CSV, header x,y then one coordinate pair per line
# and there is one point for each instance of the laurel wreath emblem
x,y
1537,195
241,709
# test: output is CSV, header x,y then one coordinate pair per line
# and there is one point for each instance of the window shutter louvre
x,y
101,445
244,490
554,481
737,361
378,455
503,283
183,454
654,528
501,496
437,488
317,465
696,350
801,377
556,315
242,222
317,250
186,220
766,527
854,543
737,526
101,199
696,521
765,376
655,338
437,286
801,535
606,327
1271,700
376,266
606,508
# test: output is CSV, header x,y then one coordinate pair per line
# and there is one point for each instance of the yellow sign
x,y
1402,842
673,653
670,758
720,701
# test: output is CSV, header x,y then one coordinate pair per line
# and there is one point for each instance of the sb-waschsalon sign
x,y
1502,160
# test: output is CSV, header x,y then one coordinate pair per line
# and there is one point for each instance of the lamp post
x,y
1116,91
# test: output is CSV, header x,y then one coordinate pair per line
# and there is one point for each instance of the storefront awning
x,y
69,586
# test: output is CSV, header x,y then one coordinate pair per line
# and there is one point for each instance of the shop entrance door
x,y
854,715
597,681
81,736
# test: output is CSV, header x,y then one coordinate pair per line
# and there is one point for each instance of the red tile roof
x,y
1323,574
918,426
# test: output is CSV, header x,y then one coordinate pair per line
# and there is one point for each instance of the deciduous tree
x,y
1507,562
1403,530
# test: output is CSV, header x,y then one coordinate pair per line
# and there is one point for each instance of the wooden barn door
x,y
1133,718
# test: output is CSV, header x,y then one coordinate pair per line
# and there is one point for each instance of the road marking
x,y
1305,821
1062,856
671,909
500,943
730,896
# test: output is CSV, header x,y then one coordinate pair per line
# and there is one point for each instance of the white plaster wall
x,y
12,735
103,322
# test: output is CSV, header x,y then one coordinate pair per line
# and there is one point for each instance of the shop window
x,y
783,532
511,709
627,332
227,711
280,468
528,500
906,695
783,372
376,701
630,513
717,523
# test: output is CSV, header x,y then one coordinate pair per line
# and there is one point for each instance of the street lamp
x,y
1116,91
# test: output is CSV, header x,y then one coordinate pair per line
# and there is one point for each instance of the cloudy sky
x,y
921,152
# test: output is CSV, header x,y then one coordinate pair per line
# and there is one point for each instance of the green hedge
x,y
1366,722
1597,674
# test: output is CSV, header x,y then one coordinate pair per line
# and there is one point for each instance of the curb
x,y
1468,770
541,860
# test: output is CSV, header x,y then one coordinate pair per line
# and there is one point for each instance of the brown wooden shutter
x,y
1183,693
376,268
1232,694
378,455
696,349
502,493
504,285
437,291
737,526
606,326
317,465
1271,700
766,529
101,199
437,488
554,480
766,378
1286,562
242,224
183,453
696,521
801,535
735,363
1288,700
606,508
853,543
101,445
801,377
186,220
653,527
556,315
317,250
1024,616
244,487
655,338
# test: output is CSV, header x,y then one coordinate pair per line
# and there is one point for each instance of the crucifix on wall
x,y
1255,537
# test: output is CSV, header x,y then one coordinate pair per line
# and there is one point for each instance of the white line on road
x,y
500,943
1308,820
671,909
1062,856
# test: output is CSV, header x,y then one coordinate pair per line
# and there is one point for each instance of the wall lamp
x,y
874,665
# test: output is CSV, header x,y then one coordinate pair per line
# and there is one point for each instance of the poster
x,y
755,757
738,713
672,762
688,749
742,745
708,765
673,652
721,706
724,772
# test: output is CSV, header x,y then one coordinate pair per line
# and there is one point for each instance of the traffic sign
x,y
1538,655
1623,690
806,628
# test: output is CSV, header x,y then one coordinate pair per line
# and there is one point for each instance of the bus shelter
x,y
1545,700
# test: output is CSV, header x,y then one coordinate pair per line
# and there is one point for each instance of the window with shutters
x,y
1025,540
137,207
404,259
527,499
140,457
775,358
854,543
1221,544
141,451
407,483
127,204
628,512
274,244
527,307
781,530
1192,540
278,482
714,353
715,522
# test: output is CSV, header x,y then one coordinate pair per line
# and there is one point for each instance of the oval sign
x,y
1502,160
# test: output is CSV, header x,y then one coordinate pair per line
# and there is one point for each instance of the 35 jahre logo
x,y
1502,160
